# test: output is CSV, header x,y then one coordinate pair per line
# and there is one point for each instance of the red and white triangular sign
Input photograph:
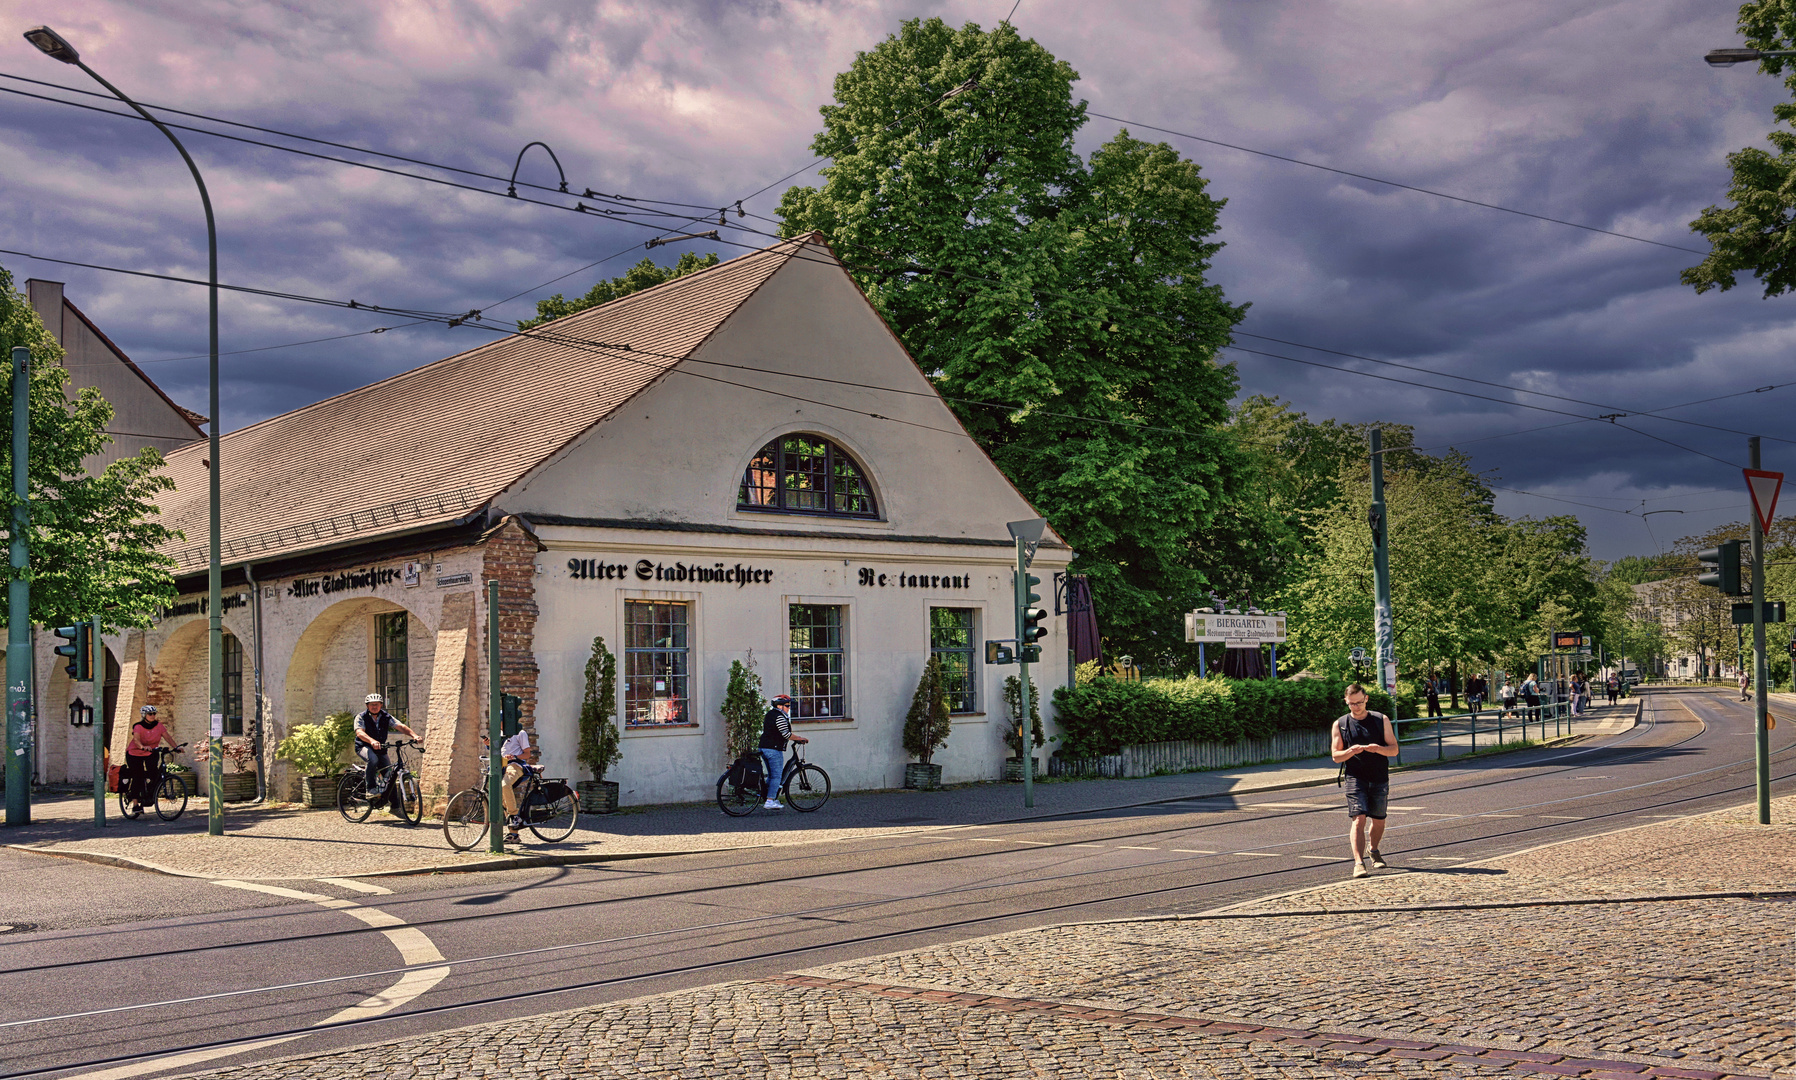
x,y
1764,487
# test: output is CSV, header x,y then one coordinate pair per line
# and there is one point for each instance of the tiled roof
x,y
438,442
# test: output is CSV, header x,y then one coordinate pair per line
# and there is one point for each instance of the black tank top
x,y
1372,768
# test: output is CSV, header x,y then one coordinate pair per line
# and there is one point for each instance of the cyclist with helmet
x,y
776,732
371,730
146,734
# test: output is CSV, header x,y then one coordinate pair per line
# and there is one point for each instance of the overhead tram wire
x,y
625,216
635,355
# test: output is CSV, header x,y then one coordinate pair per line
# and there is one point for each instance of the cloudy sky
x,y
1599,113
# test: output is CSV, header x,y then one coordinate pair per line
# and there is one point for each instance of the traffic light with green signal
x,y
1721,568
1029,618
79,650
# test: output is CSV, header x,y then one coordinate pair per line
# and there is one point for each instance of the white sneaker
x,y
770,804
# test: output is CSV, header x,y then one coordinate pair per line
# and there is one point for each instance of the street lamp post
x,y
52,44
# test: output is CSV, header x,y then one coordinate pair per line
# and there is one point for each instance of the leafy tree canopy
x,y
1059,305
92,539
643,275
1754,234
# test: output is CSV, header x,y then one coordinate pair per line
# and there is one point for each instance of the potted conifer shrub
x,y
743,708
317,752
926,728
599,738
1013,734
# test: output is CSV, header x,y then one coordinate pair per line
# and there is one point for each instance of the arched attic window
x,y
806,474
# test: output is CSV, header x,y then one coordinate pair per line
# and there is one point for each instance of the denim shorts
x,y
1367,798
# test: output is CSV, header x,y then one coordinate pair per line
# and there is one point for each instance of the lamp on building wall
x,y
53,45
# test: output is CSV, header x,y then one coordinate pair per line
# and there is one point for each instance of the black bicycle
x,y
402,792
550,809
169,792
805,786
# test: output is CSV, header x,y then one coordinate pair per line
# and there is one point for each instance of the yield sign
x,y
1764,487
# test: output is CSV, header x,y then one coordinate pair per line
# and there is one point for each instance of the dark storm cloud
x,y
1596,112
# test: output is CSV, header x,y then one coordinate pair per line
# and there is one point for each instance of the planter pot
x,y
597,796
1013,769
190,778
318,792
239,786
919,777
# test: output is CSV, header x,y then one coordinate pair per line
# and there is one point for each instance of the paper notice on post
x,y
218,725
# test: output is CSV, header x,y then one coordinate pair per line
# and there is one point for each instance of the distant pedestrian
x,y
1745,684
1508,698
1475,692
1577,695
1613,686
1434,697
1531,697
1364,743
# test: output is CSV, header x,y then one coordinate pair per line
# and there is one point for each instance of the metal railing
x,y
341,525
1494,720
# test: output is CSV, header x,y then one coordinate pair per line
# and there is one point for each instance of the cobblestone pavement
x,y
1312,985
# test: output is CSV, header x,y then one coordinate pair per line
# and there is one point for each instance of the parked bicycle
x,y
169,793
805,786
402,791
550,809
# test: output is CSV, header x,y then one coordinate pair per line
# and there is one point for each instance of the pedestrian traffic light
x,y
1029,618
1721,568
79,650
511,712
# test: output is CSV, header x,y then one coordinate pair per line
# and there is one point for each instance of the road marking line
x,y
1561,817
1033,843
1499,815
1190,851
1440,858
1405,808
351,883
1324,858
1260,854
275,890
1085,845
1126,847
179,1061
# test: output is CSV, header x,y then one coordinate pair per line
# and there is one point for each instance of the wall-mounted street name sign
x,y
1235,631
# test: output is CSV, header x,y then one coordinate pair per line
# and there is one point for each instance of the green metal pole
x,y
18,604
1761,738
1381,578
495,806
99,726
1028,731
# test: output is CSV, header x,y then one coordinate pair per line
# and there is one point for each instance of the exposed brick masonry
x,y
510,559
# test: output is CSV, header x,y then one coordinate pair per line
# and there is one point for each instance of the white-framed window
x,y
951,641
392,666
817,661
657,663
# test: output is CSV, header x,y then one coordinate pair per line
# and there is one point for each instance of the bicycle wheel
x,y
410,806
807,788
558,816
352,796
171,798
464,819
734,801
124,802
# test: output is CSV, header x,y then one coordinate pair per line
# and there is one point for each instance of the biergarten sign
x,y
1234,631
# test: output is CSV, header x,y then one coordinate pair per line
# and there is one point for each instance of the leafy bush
x,y
1103,716
926,725
319,749
599,748
743,708
1013,702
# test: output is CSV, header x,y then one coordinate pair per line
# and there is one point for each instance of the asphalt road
x,y
240,962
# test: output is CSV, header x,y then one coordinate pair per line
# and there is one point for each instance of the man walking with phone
x,y
1364,743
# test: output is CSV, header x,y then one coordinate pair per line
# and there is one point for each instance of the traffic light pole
x,y
1027,749
495,766
1761,669
98,671
18,605
1381,572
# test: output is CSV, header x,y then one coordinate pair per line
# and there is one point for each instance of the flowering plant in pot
x,y
599,738
240,780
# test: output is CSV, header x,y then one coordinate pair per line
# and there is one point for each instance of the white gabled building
x,y
741,459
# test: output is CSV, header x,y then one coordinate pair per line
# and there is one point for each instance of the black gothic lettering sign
x,y
646,570
199,606
372,577
875,579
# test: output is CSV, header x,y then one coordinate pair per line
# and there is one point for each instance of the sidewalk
x,y
283,842
1573,960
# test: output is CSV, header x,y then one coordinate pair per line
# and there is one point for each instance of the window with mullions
x,y
805,474
655,669
391,661
233,685
816,662
951,642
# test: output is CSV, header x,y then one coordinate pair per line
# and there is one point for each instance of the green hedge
x,y
1103,716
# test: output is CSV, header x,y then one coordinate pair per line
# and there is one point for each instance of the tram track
x,y
958,897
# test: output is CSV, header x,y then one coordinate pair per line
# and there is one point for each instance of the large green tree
x,y
93,538
1059,305
1754,234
